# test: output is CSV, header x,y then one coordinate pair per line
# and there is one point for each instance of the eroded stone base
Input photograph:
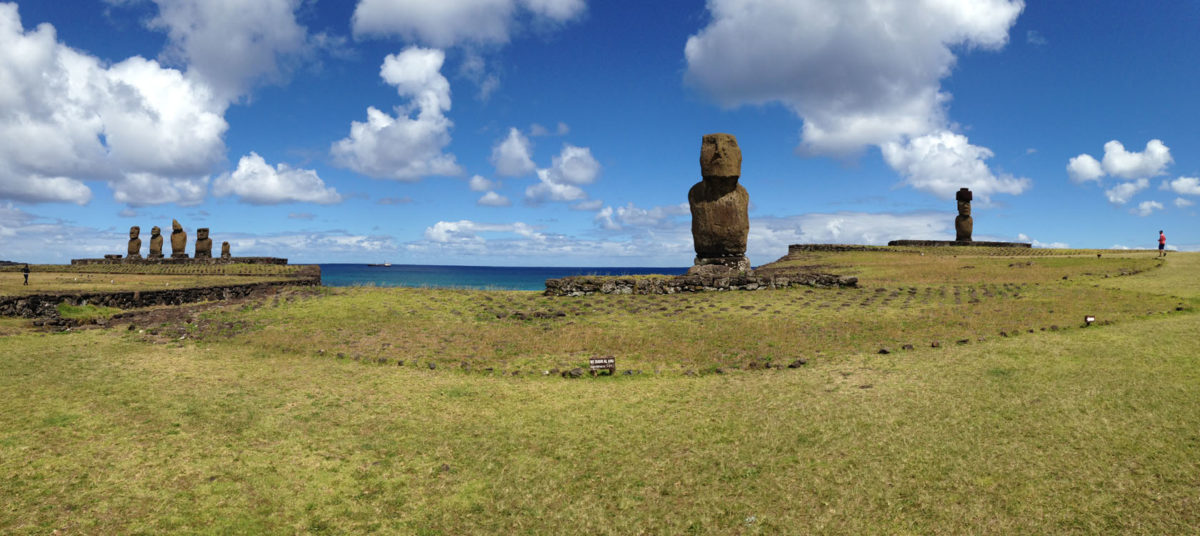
x,y
976,243
713,265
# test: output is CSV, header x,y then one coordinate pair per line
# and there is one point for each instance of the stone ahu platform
x,y
762,279
961,243
117,259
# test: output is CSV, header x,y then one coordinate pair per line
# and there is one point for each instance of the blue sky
x,y
567,132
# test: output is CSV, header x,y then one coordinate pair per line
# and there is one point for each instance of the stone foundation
x,y
586,285
179,260
976,243
46,305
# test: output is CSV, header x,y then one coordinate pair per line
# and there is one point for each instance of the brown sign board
x,y
603,363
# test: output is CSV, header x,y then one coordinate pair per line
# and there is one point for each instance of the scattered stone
x,y
432,365
399,362
628,373
1003,334
1054,327
717,370
865,386
884,351
797,363
907,347
935,344
382,360
341,355
963,341
573,373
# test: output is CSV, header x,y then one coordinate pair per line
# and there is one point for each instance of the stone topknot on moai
x,y
155,243
178,241
135,243
203,244
963,224
720,207
225,254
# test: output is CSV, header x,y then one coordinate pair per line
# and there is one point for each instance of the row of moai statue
x,y
178,243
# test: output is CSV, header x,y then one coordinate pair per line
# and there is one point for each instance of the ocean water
x,y
477,277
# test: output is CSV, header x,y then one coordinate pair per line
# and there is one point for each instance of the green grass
x,y
49,282
1076,431
85,312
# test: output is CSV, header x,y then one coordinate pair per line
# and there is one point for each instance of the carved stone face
x,y
720,156
134,232
155,231
202,233
964,208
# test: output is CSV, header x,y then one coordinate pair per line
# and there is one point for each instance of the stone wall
x,y
975,243
190,260
799,248
46,305
585,285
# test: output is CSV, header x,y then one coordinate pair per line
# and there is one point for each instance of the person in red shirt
x,y
1162,244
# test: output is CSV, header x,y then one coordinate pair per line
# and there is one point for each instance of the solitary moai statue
x,y
720,206
156,241
963,224
225,251
178,241
203,244
135,243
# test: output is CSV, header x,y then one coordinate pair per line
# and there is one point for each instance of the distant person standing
x,y
25,272
1162,244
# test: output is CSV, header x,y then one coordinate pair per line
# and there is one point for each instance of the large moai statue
x,y
178,241
135,243
963,224
720,206
156,241
225,251
203,244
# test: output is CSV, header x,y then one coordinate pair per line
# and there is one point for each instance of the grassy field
x,y
252,424
49,279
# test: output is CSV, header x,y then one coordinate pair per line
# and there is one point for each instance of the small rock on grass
x,y
884,351
963,341
907,347
432,365
797,363
935,344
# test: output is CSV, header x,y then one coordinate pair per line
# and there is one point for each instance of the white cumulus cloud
x,y
1183,186
446,23
1183,203
1119,162
631,216
256,182
512,156
1122,193
470,231
943,162
67,117
1084,168
493,199
230,44
478,183
1146,208
858,72
405,147
570,169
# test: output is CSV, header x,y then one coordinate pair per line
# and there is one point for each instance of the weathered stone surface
x,y
963,224
586,285
719,205
203,244
135,244
720,156
976,243
225,251
156,243
178,241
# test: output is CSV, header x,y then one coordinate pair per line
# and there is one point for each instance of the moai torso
x,y
156,243
178,241
203,244
225,251
135,244
963,224
719,205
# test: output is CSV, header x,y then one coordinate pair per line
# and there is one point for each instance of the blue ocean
x,y
475,277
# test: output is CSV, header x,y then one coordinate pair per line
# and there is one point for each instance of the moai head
x,y
155,231
134,232
964,201
720,157
202,233
175,227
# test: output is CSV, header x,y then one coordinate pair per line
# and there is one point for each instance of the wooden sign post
x,y
597,364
